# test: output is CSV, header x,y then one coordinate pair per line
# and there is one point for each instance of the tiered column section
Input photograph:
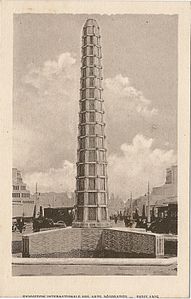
x,y
91,180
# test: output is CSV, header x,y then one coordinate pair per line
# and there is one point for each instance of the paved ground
x,y
58,270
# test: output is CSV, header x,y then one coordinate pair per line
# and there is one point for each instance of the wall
x,y
129,243
92,242
23,208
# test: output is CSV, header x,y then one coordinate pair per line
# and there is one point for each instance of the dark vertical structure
x,y
91,180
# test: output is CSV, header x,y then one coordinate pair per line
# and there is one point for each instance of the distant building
x,y
54,200
167,193
160,196
22,204
115,204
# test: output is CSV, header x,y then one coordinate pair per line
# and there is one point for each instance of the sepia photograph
x,y
95,143
95,169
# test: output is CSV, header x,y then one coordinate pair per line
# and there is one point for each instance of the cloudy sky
x,y
140,93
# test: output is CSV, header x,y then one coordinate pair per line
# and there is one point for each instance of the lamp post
x,y
131,207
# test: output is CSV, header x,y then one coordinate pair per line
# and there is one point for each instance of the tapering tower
x,y
91,180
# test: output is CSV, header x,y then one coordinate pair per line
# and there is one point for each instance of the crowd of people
x,y
130,219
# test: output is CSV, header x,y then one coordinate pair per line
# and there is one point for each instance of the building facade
x,y
91,180
160,196
22,205
168,191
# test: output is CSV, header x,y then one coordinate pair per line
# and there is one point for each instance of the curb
x,y
95,261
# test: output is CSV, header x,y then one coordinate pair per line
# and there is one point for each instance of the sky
x,y
140,98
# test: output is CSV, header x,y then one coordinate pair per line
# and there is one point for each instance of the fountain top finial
x,y
91,22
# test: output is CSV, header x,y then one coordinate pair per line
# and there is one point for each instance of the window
x,y
83,130
97,61
102,184
92,213
95,39
83,83
102,199
91,93
99,117
83,117
102,170
83,51
82,143
80,214
15,194
91,105
25,194
85,31
99,73
91,184
99,129
96,31
90,50
92,116
15,187
22,187
83,105
91,39
83,94
100,142
99,106
92,198
96,51
80,200
92,129
81,170
88,39
91,60
92,169
101,156
84,61
92,156
91,82
92,142
85,40
81,184
83,72
98,83
91,71
82,156
103,214
98,94
90,30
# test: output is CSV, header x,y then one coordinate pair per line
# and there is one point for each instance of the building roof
x,y
55,200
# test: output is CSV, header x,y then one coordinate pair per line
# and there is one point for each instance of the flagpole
x,y
149,215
